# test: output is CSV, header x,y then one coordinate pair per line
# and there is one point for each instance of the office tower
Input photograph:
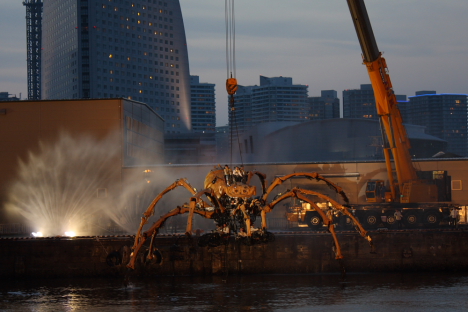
x,y
276,99
118,48
326,106
403,103
203,110
444,115
359,103
34,39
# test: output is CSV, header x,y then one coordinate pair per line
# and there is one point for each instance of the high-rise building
x,y
326,106
203,105
444,115
34,43
403,104
115,48
276,99
359,103
241,120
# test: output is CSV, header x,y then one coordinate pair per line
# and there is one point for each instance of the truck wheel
x,y
372,220
411,219
391,221
314,221
432,219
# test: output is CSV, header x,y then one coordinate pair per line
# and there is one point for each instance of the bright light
x,y
70,234
37,234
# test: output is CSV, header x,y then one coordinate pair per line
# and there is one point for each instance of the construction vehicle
x,y
422,197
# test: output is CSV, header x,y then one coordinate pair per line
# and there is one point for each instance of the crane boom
x,y
407,187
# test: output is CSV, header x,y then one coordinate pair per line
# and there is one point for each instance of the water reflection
x,y
359,292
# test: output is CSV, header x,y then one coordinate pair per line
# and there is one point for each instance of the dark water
x,y
359,292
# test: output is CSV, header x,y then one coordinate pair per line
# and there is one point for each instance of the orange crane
x,y
409,186
417,198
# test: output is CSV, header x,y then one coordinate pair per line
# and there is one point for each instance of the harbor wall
x,y
290,253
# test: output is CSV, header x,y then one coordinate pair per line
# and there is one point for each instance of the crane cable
x,y
230,43
231,81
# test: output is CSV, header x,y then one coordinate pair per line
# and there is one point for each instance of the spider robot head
x,y
233,184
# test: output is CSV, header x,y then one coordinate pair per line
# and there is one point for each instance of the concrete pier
x,y
290,253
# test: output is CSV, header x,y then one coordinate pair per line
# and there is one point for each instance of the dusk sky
x,y
425,43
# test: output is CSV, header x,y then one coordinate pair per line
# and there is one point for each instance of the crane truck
x,y
422,198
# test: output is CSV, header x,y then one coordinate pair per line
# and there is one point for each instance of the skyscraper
x,y
203,106
326,106
276,99
118,48
359,103
34,39
444,115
